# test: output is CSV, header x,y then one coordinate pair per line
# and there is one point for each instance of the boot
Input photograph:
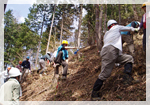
x,y
64,77
128,68
95,94
38,71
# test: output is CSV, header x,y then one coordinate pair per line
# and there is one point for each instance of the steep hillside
x,y
82,74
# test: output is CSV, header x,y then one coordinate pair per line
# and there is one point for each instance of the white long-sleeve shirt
x,y
113,36
10,92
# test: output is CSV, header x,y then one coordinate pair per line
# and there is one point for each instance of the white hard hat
x,y
110,22
14,72
48,52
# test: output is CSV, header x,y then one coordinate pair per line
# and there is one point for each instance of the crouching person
x,y
10,90
42,63
112,53
61,59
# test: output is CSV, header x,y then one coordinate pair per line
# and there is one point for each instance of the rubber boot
x,y
95,94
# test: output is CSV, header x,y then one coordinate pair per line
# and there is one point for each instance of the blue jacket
x,y
26,64
132,24
65,52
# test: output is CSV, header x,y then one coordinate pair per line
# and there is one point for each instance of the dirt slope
x,y
82,74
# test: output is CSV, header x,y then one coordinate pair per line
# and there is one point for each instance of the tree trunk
x,y
39,43
111,9
135,12
50,30
55,39
79,26
97,22
100,29
89,33
105,19
119,15
61,30
126,10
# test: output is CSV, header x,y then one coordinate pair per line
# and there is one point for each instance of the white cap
x,y
110,22
14,72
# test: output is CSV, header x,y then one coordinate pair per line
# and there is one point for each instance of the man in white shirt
x,y
112,53
10,90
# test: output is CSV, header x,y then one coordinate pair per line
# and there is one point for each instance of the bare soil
x,y
82,74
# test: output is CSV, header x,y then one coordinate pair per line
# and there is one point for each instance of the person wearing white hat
x,y
10,91
111,53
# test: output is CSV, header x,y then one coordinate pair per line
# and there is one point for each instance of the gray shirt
x,y
45,57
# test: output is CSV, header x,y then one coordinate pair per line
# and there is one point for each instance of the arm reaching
x,y
137,29
70,47
123,28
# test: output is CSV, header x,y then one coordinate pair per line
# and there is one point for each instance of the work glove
x,y
136,29
67,61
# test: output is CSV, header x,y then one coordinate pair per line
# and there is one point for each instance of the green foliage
x,y
88,23
38,18
18,39
67,11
